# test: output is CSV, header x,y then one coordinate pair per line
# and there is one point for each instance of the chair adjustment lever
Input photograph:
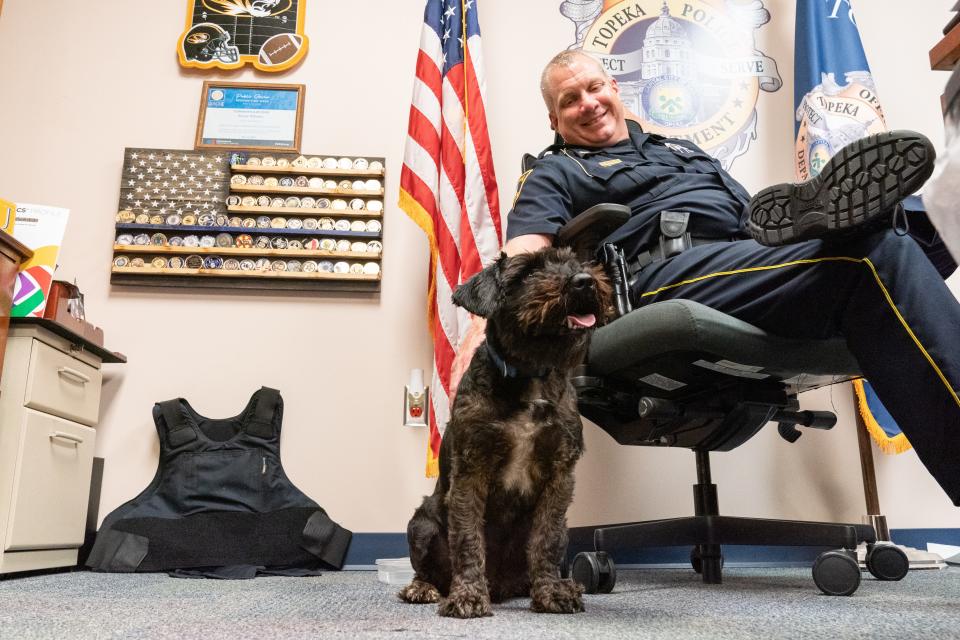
x,y
659,408
788,421
612,257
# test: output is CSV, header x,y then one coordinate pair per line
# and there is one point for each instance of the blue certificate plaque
x,y
250,116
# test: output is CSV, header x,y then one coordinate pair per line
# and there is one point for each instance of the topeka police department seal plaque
x,y
689,69
833,115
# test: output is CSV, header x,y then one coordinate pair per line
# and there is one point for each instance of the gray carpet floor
x,y
751,603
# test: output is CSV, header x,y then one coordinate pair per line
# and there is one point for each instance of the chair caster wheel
x,y
595,570
837,573
887,562
696,560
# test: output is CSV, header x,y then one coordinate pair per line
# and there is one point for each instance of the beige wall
x,y
80,81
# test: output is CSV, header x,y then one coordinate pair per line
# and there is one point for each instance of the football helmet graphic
x,y
206,42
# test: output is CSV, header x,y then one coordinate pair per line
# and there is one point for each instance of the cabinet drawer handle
x,y
66,436
67,372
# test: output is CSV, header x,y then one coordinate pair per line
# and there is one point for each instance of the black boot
x,y
862,182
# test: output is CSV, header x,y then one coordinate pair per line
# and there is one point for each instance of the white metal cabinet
x,y
49,404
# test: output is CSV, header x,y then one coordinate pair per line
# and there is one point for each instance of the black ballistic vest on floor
x,y
220,498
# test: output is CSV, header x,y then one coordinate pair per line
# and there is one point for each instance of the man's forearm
x,y
527,243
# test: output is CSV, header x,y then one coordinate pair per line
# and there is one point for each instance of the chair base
x,y
707,532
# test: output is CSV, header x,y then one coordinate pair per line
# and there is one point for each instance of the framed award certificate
x,y
238,115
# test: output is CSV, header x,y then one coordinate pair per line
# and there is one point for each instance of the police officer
x,y
875,287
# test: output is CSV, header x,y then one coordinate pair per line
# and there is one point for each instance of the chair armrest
x,y
584,233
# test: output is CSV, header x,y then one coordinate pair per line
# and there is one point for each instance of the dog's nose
x,y
582,281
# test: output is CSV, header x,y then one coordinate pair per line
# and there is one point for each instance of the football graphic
x,y
280,49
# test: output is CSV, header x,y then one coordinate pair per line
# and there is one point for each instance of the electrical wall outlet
x,y
416,401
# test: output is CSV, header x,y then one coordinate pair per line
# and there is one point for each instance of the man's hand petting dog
x,y
495,526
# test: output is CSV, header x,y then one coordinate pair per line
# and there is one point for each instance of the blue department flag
x,y
836,103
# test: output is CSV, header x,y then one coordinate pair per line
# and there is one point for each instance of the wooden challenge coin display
x,y
255,220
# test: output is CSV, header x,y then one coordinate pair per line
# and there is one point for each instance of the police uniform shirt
x,y
648,173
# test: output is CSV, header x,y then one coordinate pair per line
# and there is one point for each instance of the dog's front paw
x,y
419,592
557,596
464,602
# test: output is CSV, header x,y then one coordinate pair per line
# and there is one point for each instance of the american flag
x,y
166,181
447,184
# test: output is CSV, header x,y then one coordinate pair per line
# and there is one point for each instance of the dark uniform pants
x,y
879,291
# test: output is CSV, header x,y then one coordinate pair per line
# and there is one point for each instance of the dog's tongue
x,y
583,321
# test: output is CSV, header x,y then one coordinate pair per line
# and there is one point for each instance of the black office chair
x,y
680,374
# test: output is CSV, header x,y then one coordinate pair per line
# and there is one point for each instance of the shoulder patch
x,y
520,181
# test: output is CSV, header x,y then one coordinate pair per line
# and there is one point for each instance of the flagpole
x,y
870,493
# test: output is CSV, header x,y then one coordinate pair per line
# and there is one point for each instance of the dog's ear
x,y
480,295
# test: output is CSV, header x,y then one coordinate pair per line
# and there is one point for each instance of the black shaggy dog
x,y
495,526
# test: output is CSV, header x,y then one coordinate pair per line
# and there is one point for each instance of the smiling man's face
x,y
585,104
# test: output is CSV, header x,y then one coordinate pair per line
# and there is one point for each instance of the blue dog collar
x,y
508,370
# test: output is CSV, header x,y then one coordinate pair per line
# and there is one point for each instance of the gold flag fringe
x,y
888,445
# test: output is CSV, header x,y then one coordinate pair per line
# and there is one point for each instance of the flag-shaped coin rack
x,y
249,220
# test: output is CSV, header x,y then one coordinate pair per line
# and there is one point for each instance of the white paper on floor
x,y
950,553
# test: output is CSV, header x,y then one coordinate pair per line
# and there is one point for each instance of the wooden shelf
x,y
133,227
306,171
306,191
237,251
946,53
223,273
299,211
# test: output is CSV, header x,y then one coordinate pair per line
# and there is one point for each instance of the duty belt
x,y
674,239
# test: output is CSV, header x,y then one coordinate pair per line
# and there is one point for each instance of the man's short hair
x,y
563,59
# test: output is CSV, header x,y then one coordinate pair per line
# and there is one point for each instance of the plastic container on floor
x,y
394,570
